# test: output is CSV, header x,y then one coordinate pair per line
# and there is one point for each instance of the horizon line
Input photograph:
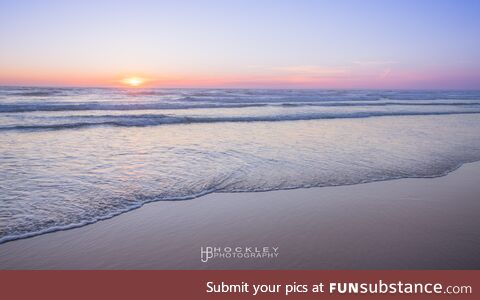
x,y
236,88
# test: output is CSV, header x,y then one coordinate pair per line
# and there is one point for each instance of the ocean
x,y
74,156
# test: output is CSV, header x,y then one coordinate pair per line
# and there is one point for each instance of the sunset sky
x,y
268,44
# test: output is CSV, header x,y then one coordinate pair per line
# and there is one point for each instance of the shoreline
x,y
188,198
168,230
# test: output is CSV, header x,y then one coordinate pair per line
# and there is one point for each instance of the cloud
x,y
301,70
375,62
311,70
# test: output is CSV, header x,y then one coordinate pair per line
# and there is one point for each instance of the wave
x,y
49,107
36,94
139,204
19,108
158,119
84,222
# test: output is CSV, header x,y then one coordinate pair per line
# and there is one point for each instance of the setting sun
x,y
133,81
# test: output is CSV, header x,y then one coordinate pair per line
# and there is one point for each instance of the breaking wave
x,y
158,119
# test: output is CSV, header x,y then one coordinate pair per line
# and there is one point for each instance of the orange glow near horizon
x,y
291,77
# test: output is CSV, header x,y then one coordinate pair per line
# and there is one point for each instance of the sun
x,y
133,81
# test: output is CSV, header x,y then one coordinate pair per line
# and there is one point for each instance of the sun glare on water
x,y
133,81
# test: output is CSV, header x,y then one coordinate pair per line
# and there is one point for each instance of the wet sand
x,y
399,224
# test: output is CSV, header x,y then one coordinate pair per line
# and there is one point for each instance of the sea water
x,y
73,156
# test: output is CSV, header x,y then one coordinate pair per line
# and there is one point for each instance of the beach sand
x,y
400,224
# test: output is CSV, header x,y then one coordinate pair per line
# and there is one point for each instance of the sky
x,y
245,44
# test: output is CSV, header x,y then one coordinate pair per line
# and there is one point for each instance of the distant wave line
x,y
21,108
155,120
